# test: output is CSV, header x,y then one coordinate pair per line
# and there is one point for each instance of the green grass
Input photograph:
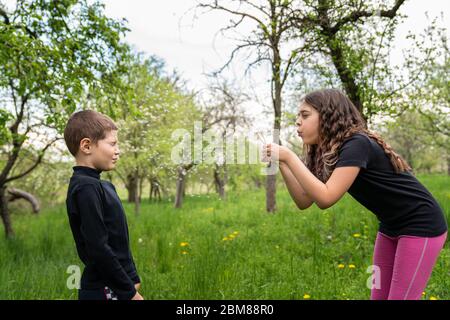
x,y
274,256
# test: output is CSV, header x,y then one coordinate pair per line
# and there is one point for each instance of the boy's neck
x,y
82,163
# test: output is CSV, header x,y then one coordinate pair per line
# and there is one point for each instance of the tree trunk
x,y
137,199
345,74
9,233
271,205
152,191
141,186
132,187
155,190
276,99
180,189
219,182
448,165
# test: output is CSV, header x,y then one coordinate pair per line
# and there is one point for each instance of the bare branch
x,y
216,6
233,53
20,194
37,162
356,15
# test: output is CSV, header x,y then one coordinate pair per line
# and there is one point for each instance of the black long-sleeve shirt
x,y
100,230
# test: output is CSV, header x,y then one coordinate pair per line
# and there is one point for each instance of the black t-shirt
x,y
401,203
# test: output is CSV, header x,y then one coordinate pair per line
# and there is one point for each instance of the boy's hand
x,y
137,286
137,296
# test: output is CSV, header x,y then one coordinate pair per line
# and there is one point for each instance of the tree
x,y
431,98
266,43
353,41
50,53
411,135
150,108
335,24
211,116
224,113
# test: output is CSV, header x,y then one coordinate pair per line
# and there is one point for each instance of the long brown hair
x,y
338,120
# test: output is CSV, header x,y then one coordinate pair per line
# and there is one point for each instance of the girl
x,y
342,155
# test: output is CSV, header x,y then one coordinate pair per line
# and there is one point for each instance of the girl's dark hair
x,y
338,120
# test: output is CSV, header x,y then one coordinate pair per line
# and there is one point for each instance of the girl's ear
x,y
85,146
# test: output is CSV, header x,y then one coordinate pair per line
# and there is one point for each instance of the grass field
x,y
213,249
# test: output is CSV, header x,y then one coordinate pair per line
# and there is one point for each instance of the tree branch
x,y
38,161
4,15
216,6
356,15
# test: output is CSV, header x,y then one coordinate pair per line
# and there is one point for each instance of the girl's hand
x,y
274,152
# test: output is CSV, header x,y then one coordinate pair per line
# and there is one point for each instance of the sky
x,y
168,31
191,46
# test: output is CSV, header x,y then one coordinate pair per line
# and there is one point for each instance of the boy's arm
x,y
134,274
95,234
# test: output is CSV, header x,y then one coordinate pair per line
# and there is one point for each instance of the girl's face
x,y
308,124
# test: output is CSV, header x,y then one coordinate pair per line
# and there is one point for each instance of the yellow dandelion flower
x,y
232,236
236,233
184,244
356,235
184,252
351,266
225,239
341,266
306,296
423,293
433,298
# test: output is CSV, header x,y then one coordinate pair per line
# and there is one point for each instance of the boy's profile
x,y
96,215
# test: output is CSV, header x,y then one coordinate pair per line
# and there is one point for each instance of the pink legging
x,y
405,265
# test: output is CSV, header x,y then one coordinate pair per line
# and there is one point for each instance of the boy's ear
x,y
86,145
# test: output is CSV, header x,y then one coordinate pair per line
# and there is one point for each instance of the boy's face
x,y
105,153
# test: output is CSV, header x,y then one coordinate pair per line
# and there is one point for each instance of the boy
x,y
96,215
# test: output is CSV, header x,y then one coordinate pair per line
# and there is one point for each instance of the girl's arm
x,y
323,194
301,199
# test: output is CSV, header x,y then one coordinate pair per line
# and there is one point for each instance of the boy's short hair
x,y
86,124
